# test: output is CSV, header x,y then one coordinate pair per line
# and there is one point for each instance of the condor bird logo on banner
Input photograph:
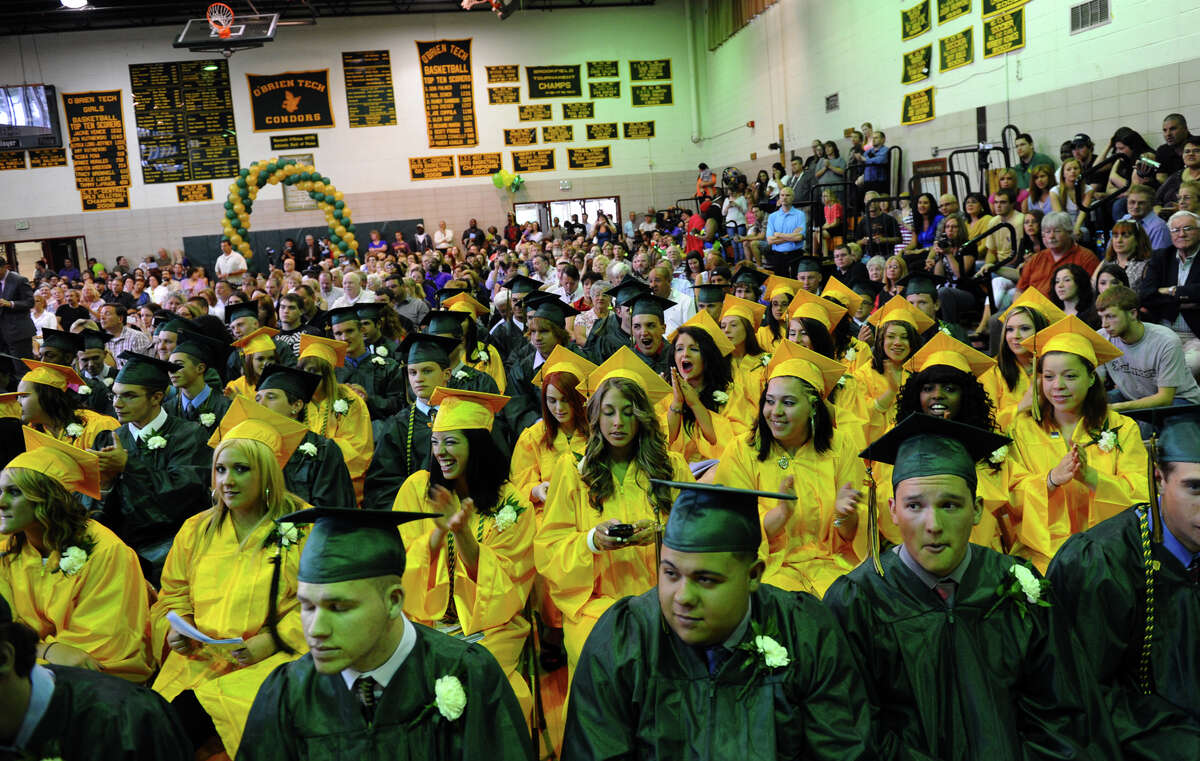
x,y
290,100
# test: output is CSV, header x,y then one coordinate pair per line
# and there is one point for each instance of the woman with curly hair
x,y
231,574
336,411
698,411
50,406
470,570
794,448
599,536
67,576
1086,462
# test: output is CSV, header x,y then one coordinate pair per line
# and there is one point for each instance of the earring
x,y
215,502
267,495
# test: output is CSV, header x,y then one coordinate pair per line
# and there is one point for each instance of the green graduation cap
x,y
623,292
869,288
924,445
169,324
240,310
549,307
714,518
347,544
293,381
710,294
94,339
750,276
426,347
444,293
202,348
368,311
808,264
144,370
522,284
648,303
443,322
342,314
1178,431
920,282
61,340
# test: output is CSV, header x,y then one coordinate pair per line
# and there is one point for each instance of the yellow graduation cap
x,y
824,311
705,322
751,311
258,341
78,470
1032,298
563,360
817,370
246,419
10,405
1072,335
624,363
897,309
47,374
845,295
776,285
333,352
465,302
459,409
944,350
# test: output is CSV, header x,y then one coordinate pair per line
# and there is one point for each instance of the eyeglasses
x,y
1181,230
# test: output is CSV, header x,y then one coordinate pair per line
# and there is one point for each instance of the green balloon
x,y
337,214
242,232
339,204
326,180
244,193
335,238
305,176
230,213
344,246
350,228
241,182
497,180
229,206
272,166
243,172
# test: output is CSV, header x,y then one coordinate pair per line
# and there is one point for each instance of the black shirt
x,y
67,315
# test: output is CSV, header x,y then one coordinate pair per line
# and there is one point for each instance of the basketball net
x,y
220,18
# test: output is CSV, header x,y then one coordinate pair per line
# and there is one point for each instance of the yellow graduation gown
x,y
93,423
102,609
533,461
493,366
583,584
871,386
1006,401
1048,520
857,354
809,554
748,374
225,588
239,386
850,410
691,444
767,340
350,430
494,600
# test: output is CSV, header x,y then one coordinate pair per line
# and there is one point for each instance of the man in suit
x,y
16,326
1170,287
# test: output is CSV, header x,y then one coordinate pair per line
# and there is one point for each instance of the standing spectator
x,y
230,264
1027,159
69,271
472,236
1170,289
1140,203
1061,248
786,229
832,169
16,326
734,209
629,229
800,180
877,232
1169,155
443,237
421,240
875,173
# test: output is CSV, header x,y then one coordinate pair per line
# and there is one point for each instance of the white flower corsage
x,y
289,534
774,655
378,361
308,448
108,382
156,442
999,456
851,353
943,329
74,430
72,561
720,397
381,351
83,390
841,381
341,406
450,697
1107,441
481,355
508,513
460,375
1024,589
765,359
207,419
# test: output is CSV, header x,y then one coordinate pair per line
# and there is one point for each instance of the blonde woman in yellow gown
x,y
1009,382
336,411
795,448
898,329
598,541
231,574
470,570
50,406
1086,462
258,351
65,575
739,320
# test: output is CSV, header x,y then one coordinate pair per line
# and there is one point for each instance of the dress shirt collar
x,y
41,681
1172,544
189,403
147,430
424,407
735,637
383,674
927,578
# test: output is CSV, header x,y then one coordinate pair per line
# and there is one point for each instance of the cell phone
x,y
621,531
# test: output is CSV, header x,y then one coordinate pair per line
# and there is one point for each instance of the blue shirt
x,y
787,221
1172,545
1155,229
191,404
876,160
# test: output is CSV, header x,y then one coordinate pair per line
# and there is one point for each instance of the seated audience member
x,y
877,232
1000,243
1061,248
771,667
1167,197
1027,159
1170,298
373,683
1071,291
51,711
1169,155
847,268
1007,180
1140,204
1128,586
962,654
1128,248
71,580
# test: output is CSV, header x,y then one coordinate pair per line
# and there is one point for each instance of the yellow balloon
x,y
235,239
244,247
239,207
339,196
341,231
233,191
273,179
319,187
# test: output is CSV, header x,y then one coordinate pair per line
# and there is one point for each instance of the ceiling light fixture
x,y
74,5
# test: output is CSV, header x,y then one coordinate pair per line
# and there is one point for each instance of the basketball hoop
x,y
220,18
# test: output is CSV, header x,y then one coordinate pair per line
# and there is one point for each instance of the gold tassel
x,y
872,522
1151,461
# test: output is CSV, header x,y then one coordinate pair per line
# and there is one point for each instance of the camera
x,y
944,241
621,531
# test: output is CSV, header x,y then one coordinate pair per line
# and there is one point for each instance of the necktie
x,y
945,589
715,656
364,690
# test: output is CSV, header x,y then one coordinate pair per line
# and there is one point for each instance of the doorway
x,y
545,212
23,255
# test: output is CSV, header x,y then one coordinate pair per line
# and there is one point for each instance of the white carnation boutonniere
x,y
378,361
720,397
1107,441
774,655
308,448
83,390
157,441
74,430
341,407
841,382
481,355
449,697
851,353
765,359
72,560
283,535
579,465
381,351
461,375
999,455
942,328
207,419
506,517
108,382
1023,588
766,653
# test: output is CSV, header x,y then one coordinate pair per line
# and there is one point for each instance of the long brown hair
x,y
63,518
650,448
565,383
1094,409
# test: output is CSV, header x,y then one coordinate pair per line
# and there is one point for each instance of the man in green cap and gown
x,y
194,399
921,290
710,298
373,684
648,325
90,353
1131,586
747,283
377,379
59,347
509,334
154,468
549,330
242,319
316,472
614,330
369,316
964,656
712,663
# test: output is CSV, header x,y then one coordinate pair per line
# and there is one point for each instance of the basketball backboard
x,y
245,32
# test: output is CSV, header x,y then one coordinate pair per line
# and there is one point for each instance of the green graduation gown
x,y
383,381
99,395
302,714
639,692
954,684
97,717
1099,577
605,338
320,479
215,404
